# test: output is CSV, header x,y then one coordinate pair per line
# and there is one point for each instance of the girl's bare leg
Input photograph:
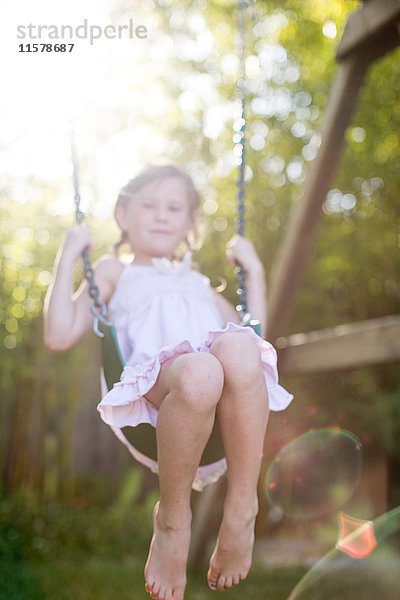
x,y
187,392
242,413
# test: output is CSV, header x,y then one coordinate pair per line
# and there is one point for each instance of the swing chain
x,y
98,308
243,307
241,291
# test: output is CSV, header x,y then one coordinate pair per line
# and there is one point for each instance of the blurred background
x,y
75,512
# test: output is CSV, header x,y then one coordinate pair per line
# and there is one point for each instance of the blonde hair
x,y
154,173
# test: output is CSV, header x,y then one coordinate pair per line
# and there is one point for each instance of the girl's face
x,y
156,219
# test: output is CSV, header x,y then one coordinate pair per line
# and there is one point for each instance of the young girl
x,y
187,361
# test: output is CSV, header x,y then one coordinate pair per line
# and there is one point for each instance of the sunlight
x,y
49,92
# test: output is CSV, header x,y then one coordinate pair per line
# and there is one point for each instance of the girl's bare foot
x,y
165,570
232,556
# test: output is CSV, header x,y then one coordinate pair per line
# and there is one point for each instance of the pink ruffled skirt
x,y
125,404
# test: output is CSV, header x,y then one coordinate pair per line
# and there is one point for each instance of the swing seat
x,y
113,363
256,326
143,436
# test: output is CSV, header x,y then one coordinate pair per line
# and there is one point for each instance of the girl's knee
x,y
238,354
198,378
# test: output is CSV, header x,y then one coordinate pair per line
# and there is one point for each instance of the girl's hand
x,y
240,251
77,239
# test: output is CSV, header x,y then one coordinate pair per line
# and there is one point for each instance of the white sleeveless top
x,y
160,305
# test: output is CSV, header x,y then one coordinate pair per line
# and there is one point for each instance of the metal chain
x,y
241,291
98,308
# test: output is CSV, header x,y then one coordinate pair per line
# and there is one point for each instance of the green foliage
x,y
34,528
52,550
130,491
383,420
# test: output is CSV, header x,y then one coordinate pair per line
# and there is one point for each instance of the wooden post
x,y
373,29
291,262
370,33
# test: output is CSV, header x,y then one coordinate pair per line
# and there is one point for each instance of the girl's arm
x,y
257,296
226,310
67,316
241,250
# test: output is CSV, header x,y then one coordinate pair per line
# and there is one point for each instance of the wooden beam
x,y
289,266
371,29
344,347
374,33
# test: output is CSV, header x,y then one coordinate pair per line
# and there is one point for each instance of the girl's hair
x,y
154,173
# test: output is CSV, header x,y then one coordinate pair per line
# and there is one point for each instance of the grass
x,y
55,551
90,575
96,578
101,579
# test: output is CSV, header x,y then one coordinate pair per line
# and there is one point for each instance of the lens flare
x,y
364,565
315,474
356,537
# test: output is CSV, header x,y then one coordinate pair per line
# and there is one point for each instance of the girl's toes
x,y
221,584
161,594
212,577
236,579
228,582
